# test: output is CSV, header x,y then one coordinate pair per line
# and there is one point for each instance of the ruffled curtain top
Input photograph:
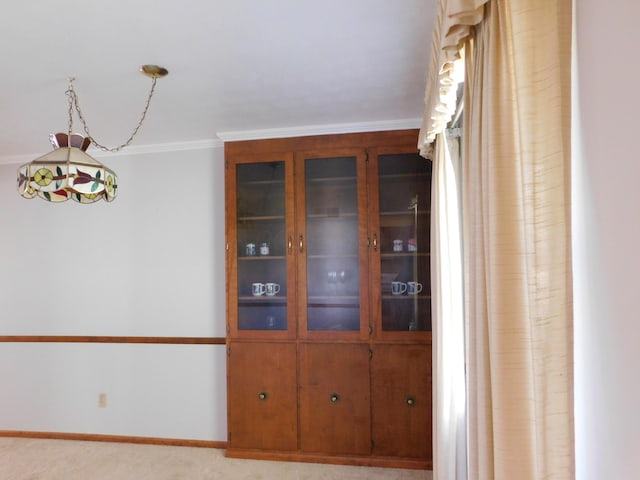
x,y
455,20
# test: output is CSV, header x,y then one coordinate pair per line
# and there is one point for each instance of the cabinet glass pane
x,y
405,201
262,280
333,273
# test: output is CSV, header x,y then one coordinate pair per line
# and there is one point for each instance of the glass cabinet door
x,y
403,212
261,279
330,243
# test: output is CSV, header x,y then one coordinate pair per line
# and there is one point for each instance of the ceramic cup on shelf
x,y
271,289
398,288
412,245
414,288
250,249
264,248
397,245
258,289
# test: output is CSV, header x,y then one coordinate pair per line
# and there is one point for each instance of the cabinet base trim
x,y
383,462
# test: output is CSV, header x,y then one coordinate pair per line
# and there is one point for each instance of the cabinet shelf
x,y
405,297
325,256
343,301
332,215
395,176
407,212
261,218
404,254
354,298
335,182
261,299
258,258
254,183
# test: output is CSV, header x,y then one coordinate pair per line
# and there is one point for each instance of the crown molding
x,y
320,130
129,151
163,148
233,136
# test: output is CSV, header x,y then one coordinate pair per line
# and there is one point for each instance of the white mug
x,y
398,288
258,289
264,248
271,288
414,288
397,245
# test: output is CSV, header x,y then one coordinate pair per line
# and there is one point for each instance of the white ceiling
x,y
235,66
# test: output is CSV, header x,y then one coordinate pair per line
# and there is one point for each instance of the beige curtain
x,y
449,419
516,225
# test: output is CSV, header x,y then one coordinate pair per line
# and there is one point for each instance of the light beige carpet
x,y
30,459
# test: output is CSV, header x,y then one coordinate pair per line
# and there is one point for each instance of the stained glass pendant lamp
x,y
68,171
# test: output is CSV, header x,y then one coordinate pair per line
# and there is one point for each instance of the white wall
x,y
607,241
151,263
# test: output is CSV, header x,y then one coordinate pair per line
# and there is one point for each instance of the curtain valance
x,y
446,69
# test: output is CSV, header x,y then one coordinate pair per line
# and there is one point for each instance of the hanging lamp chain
x,y
74,104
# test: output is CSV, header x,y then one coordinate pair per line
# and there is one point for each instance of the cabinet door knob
x,y
375,242
290,244
411,401
334,398
262,396
301,243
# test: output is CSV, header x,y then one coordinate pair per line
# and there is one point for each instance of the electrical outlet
x,y
102,400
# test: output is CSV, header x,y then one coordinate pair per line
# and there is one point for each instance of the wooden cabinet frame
x,y
233,253
368,369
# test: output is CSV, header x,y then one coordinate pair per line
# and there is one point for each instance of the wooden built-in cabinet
x,y
401,400
263,396
335,399
328,299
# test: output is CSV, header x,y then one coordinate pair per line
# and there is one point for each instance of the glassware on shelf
x,y
261,231
404,185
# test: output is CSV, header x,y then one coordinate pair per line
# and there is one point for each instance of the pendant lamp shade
x,y
67,172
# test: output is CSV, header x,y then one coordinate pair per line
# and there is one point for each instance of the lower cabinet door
x,y
401,401
335,399
262,396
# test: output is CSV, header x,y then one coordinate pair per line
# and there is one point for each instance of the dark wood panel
x,y
335,399
262,396
401,400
